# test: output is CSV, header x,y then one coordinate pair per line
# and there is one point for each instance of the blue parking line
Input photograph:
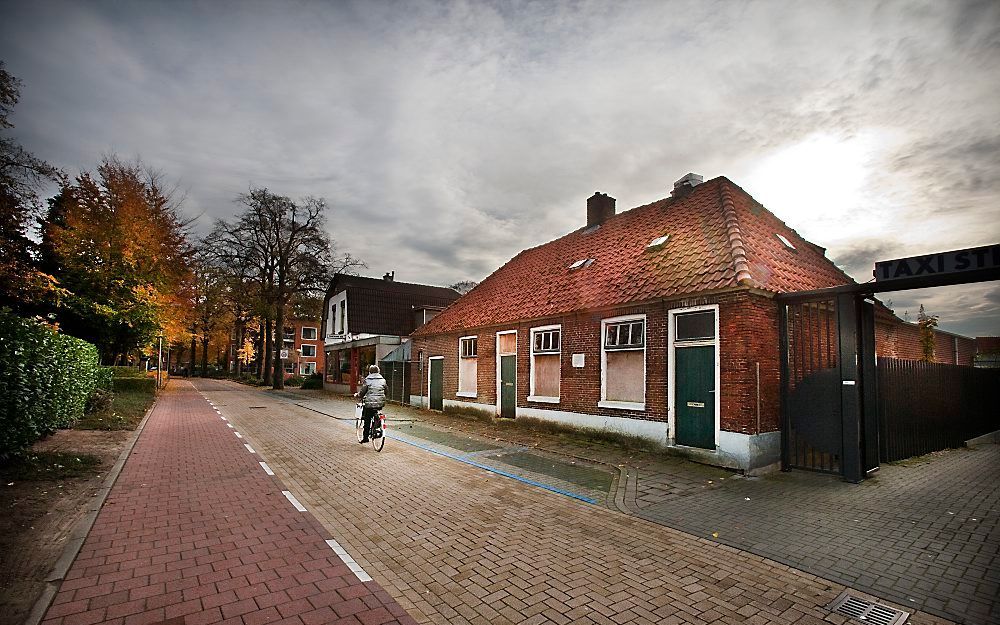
x,y
497,471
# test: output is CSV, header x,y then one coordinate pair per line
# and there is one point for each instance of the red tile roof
x,y
720,238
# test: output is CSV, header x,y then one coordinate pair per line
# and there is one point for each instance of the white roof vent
x,y
787,243
686,183
658,242
583,262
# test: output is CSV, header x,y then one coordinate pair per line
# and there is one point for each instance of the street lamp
x,y
159,359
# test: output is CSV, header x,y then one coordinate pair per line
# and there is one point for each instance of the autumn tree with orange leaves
x,y
116,242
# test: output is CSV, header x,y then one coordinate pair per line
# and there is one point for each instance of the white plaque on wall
x,y
577,360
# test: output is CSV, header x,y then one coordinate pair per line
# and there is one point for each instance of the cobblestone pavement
x,y
453,543
194,531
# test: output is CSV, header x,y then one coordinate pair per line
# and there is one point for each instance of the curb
x,y
986,439
54,579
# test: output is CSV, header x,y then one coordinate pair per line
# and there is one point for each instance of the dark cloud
x,y
447,137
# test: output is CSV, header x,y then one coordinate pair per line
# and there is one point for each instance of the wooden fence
x,y
925,407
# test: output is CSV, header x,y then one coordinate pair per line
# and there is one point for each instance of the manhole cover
x,y
867,611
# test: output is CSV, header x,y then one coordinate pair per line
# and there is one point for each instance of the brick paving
x,y
195,532
453,543
924,533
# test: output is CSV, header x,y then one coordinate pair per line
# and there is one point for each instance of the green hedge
x,y
126,372
147,385
45,380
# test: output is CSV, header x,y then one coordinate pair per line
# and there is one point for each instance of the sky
x,y
448,136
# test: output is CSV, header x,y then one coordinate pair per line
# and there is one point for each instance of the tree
x,y
209,305
926,323
464,286
116,243
22,177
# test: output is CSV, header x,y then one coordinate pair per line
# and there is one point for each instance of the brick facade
x,y
748,329
895,338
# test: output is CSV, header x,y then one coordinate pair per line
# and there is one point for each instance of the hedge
x,y
121,385
45,380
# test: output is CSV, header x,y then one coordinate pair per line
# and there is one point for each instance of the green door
x,y
437,384
508,396
694,397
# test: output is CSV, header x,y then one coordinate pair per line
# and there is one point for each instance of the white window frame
x,y
623,405
497,352
287,364
302,350
531,379
672,368
460,358
302,333
304,368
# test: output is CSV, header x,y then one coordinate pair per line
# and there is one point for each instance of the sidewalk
x,y
194,531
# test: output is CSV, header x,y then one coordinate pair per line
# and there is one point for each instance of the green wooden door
x,y
437,384
508,396
694,399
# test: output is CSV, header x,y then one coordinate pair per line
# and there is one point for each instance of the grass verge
x,y
126,411
49,465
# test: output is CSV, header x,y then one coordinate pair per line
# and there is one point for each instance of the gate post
x,y
847,329
783,339
869,386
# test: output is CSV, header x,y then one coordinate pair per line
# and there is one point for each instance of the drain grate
x,y
867,611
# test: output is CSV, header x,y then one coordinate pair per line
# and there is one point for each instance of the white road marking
x,y
266,468
349,561
229,424
238,435
295,502
223,418
249,448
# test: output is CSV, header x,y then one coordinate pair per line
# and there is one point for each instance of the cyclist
x,y
372,393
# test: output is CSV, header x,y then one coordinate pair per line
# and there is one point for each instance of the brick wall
x,y
748,327
895,338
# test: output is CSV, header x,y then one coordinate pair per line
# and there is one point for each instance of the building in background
x,y
364,319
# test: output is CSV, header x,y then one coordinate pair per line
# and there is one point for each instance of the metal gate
x,y
812,431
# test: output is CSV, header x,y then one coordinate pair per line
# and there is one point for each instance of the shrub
x,y
99,400
126,372
313,382
121,385
295,380
46,379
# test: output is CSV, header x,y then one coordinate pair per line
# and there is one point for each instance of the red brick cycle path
x,y
194,531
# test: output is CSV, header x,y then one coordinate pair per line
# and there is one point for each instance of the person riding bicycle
x,y
372,393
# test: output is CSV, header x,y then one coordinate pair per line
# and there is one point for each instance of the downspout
x,y
757,365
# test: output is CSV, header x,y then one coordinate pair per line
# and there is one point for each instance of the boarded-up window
x,y
467,365
546,344
624,361
626,379
507,344
546,380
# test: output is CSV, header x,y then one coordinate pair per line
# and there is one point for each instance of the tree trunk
x,y
194,352
265,373
204,356
279,343
240,337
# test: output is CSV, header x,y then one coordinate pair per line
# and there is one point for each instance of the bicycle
x,y
378,429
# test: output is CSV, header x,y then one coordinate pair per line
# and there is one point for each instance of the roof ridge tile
x,y
737,247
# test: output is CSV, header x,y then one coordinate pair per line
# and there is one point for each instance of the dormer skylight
x,y
787,243
658,242
583,262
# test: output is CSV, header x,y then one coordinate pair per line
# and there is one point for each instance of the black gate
x,y
812,431
397,378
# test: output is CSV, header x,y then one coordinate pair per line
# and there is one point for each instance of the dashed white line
x,y
223,418
295,502
249,448
229,424
266,468
349,561
238,435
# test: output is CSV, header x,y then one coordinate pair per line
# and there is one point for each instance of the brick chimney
x,y
686,183
600,208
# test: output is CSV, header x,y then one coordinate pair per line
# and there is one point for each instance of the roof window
x,y
658,242
583,262
787,243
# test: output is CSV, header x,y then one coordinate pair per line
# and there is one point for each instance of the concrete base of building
x,y
985,439
752,454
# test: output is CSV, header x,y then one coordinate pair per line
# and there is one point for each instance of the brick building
x,y
658,322
304,355
366,319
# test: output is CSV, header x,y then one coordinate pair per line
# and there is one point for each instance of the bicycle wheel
x,y
379,442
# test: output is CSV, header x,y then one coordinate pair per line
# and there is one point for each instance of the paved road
x,y
194,531
924,533
453,543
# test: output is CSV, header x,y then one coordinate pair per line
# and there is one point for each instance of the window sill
x,y
543,400
465,394
621,405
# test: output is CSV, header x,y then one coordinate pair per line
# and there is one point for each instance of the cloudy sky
x,y
448,136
